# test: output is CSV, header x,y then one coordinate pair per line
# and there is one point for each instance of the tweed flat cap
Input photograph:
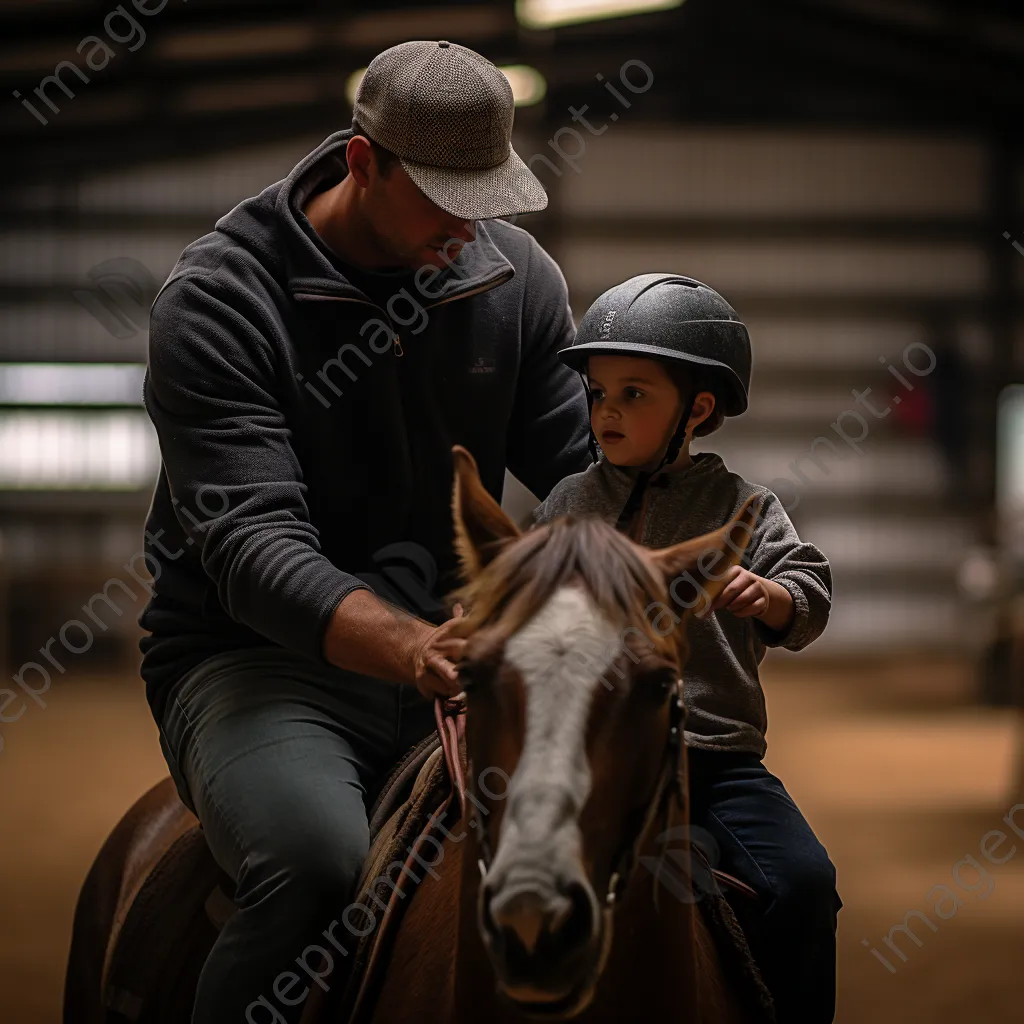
x,y
446,112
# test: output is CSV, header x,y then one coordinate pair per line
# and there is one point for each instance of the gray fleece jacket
x,y
725,702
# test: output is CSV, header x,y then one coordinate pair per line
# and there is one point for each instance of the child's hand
x,y
744,594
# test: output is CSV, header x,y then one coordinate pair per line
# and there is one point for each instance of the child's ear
x,y
703,409
695,570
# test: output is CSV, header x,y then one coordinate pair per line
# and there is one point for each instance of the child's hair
x,y
690,379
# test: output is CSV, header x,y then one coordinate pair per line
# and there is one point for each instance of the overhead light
x,y
552,13
71,383
528,85
1011,444
77,450
352,85
1010,467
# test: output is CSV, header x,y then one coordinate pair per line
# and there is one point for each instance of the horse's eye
x,y
658,682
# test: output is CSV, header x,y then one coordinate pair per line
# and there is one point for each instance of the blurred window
x,y
58,450
71,383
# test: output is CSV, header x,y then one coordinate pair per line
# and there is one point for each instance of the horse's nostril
x,y
527,913
561,908
540,916
578,923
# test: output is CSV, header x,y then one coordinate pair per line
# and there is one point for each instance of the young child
x,y
666,358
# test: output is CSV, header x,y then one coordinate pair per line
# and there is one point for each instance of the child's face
x,y
635,408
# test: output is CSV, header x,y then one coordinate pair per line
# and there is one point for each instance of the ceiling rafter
x,y
210,79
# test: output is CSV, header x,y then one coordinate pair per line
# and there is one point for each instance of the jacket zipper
x,y
485,287
397,341
637,533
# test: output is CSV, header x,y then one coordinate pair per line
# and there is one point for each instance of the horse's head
x,y
572,672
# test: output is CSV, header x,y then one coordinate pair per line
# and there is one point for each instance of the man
x,y
312,361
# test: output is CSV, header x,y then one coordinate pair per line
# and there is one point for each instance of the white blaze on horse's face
x,y
560,655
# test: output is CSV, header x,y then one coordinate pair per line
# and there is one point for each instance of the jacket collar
x,y
622,478
479,266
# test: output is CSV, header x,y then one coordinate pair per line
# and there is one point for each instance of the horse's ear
x,y
695,569
480,523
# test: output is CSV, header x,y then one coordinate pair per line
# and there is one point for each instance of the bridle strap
x,y
669,778
449,717
591,439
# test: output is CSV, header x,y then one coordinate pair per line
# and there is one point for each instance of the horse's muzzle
x,y
542,936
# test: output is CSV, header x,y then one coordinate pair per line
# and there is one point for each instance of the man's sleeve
x,y
547,435
211,394
780,555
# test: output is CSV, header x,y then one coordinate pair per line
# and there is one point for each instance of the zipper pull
x,y
399,351
640,523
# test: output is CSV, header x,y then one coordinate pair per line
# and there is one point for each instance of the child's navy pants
x,y
765,841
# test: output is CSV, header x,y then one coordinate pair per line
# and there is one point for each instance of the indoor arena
x,y
847,174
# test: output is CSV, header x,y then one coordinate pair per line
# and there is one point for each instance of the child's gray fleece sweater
x,y
725,703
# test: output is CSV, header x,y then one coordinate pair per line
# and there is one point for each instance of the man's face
x,y
409,226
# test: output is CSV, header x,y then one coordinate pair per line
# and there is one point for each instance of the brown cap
x,y
446,113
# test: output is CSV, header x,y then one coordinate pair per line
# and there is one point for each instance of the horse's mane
x,y
585,551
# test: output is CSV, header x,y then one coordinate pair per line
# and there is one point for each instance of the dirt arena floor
x,y
899,774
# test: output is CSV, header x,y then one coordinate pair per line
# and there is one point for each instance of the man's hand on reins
x,y
370,636
435,659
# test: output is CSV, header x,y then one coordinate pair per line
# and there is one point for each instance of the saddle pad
x,y
397,788
737,960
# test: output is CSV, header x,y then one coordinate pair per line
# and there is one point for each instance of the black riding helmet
x,y
674,319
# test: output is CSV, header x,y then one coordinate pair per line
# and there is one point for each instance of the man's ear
x,y
694,570
481,526
358,157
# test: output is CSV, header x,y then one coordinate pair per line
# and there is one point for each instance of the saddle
x,y
170,922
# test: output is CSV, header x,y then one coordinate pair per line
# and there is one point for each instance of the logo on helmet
x,y
606,324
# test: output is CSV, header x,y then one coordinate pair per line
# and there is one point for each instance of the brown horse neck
x,y
653,958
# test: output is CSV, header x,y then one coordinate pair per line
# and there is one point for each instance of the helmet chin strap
x,y
591,439
675,445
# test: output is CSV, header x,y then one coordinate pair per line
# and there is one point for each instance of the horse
x,y
572,676
553,899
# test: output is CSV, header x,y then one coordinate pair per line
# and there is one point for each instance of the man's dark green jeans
x,y
275,754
